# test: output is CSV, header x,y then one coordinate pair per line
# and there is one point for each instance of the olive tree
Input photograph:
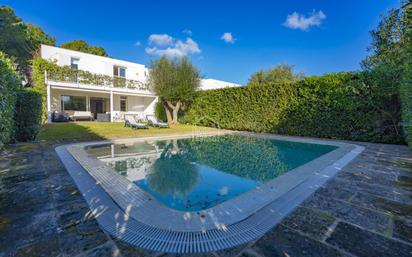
x,y
175,82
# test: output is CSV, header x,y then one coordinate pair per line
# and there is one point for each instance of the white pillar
x,y
111,106
48,98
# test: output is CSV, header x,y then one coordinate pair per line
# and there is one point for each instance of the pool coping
x,y
135,205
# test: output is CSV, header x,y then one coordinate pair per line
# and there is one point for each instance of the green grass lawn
x,y
89,131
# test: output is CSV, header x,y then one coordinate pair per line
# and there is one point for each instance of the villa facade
x,y
109,102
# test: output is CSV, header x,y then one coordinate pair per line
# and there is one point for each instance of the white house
x,y
104,102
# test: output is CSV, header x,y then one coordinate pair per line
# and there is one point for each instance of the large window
x,y
119,71
74,63
119,75
123,103
73,103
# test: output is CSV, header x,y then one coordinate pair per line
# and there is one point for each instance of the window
x,y
74,63
119,74
73,103
119,71
123,103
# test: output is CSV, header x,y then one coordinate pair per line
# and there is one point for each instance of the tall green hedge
x,y
28,115
350,106
406,85
9,84
160,112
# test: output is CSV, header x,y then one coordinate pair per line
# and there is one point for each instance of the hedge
x,y
160,112
352,106
9,84
406,85
28,115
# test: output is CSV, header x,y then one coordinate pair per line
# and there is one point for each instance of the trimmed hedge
x,y
406,85
28,115
9,84
160,112
352,106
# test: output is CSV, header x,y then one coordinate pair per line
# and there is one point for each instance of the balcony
x,y
78,77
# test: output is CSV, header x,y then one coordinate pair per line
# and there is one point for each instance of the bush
x,y
160,112
406,85
28,114
350,106
9,84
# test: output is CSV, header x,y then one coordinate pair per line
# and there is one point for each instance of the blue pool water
x,y
198,173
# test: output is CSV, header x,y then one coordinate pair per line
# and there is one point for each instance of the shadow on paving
x,y
365,210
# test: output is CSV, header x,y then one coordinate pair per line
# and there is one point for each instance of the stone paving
x,y
366,210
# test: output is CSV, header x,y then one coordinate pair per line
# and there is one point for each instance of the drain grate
x,y
116,222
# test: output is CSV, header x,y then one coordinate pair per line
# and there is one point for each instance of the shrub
x,y
349,106
406,85
9,84
160,112
28,114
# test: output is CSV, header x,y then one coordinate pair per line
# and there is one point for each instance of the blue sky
x,y
316,36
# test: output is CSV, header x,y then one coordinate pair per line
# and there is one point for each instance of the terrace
x,y
365,210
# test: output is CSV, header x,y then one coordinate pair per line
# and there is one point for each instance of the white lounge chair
x,y
155,123
129,121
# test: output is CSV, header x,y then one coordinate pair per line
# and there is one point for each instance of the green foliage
x,y
160,112
9,84
82,46
349,106
280,74
406,85
65,73
20,40
28,114
174,80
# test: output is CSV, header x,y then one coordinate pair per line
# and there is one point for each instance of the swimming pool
x,y
186,194
194,174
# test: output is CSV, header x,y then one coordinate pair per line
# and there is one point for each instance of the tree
x,y
280,74
386,63
406,85
20,40
82,46
175,82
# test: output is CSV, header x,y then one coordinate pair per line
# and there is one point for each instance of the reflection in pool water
x,y
199,173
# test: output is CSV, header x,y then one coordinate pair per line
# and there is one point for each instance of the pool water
x,y
198,173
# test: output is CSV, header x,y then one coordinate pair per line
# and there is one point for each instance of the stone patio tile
x,y
282,241
382,204
403,229
46,246
234,251
336,190
189,255
308,221
370,219
131,251
363,243
386,179
108,249
74,241
26,228
392,193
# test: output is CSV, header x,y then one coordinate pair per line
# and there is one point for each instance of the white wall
x,y
208,84
94,63
104,65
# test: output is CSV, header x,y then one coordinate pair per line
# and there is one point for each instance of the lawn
x,y
89,131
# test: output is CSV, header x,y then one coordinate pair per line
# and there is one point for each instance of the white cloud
x,y
228,37
138,43
173,47
187,32
300,21
160,39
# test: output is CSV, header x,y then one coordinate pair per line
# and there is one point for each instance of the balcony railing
x,y
87,78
